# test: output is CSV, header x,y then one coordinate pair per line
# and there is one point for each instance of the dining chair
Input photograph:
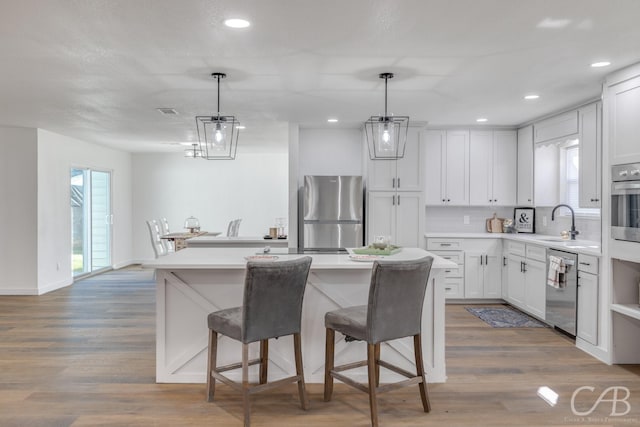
x,y
394,310
233,227
271,308
159,248
164,229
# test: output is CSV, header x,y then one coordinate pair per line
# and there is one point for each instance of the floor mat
x,y
505,317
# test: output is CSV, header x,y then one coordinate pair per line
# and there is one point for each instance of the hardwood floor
x,y
85,356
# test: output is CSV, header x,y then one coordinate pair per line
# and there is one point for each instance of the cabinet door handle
x,y
398,200
524,267
481,259
398,182
504,261
444,200
528,200
486,260
448,200
393,183
393,200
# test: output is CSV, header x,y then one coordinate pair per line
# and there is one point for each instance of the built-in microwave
x,y
625,202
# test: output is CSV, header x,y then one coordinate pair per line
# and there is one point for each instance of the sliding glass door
x,y
91,220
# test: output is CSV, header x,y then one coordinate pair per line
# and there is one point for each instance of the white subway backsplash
x,y
452,219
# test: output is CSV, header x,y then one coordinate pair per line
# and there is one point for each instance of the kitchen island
x,y
196,281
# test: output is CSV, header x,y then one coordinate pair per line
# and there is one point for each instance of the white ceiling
x,y
97,70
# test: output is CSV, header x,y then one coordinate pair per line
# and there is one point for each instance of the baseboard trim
x,y
54,286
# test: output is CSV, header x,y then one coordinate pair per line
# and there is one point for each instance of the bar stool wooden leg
x,y
297,348
373,401
264,360
424,394
328,364
377,357
211,364
245,385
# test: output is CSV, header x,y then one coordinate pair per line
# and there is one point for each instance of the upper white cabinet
x,y
556,127
446,167
624,110
492,168
404,174
590,136
525,166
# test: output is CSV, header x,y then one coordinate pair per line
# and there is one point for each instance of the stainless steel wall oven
x,y
625,202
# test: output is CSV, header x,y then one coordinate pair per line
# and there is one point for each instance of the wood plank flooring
x,y
85,356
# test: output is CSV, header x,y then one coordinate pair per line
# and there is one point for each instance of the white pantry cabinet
x,y
446,167
492,168
404,174
525,166
396,215
623,96
590,136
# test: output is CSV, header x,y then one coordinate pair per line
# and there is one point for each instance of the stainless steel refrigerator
x,y
332,213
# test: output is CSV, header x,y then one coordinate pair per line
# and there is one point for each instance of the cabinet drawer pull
x,y
446,257
584,263
447,271
447,289
445,244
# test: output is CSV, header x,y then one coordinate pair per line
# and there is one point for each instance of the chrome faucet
x,y
573,231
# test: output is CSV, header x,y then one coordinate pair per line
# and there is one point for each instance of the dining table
x,y
180,238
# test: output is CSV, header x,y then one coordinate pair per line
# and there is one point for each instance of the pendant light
x,y
218,135
387,134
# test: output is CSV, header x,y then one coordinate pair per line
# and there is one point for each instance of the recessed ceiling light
x,y
332,120
237,23
167,111
241,127
532,96
601,64
481,120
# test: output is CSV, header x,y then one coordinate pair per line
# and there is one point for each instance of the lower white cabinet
x,y
526,281
588,299
483,269
396,215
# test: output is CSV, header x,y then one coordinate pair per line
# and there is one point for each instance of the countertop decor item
x,y
218,134
524,220
495,224
372,250
192,224
387,134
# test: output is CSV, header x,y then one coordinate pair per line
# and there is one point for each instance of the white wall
x,y
330,152
18,211
253,187
57,154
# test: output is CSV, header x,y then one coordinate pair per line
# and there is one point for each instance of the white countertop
x,y
257,240
586,247
233,258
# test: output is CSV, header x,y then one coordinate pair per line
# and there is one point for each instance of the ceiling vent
x,y
167,111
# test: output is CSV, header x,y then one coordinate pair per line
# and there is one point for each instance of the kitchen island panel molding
x,y
191,284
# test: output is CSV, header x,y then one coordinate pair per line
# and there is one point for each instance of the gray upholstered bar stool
x,y
272,308
396,296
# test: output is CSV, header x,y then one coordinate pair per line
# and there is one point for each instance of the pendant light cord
x,y
218,77
385,95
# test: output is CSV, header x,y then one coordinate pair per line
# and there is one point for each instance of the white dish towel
x,y
556,274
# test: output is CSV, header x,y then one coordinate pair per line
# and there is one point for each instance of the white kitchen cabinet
x,y
492,168
525,166
623,96
446,167
483,272
590,137
404,174
527,279
453,277
397,215
556,127
587,328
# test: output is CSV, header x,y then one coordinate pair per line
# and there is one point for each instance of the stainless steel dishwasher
x,y
561,307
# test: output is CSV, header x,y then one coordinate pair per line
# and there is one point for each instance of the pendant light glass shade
x,y
387,134
218,134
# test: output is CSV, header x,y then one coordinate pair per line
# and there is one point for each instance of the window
x,y
569,178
